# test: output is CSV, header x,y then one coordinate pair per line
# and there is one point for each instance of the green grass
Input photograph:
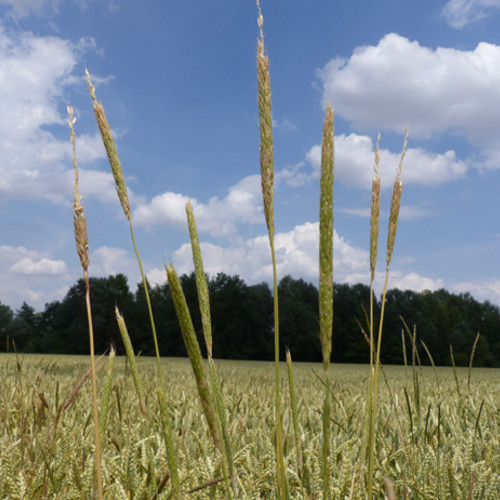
x,y
433,444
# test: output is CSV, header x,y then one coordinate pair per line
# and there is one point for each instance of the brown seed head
x,y
395,204
375,213
79,220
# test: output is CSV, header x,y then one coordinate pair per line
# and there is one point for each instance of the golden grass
x,y
453,443
267,177
82,248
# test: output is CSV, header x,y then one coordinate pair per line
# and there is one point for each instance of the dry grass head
x,y
375,213
266,128
395,204
79,220
109,145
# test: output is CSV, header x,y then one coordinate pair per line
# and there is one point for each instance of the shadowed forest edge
x,y
242,317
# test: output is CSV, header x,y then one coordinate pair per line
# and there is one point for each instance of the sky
x,y
178,83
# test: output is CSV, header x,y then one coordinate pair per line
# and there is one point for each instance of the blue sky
x,y
178,82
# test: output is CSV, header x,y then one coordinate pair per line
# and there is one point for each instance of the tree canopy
x,y
242,322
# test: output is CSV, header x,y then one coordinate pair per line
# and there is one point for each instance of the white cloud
x,y
296,254
35,73
242,204
441,90
459,13
486,290
30,275
112,260
27,265
410,281
355,158
156,276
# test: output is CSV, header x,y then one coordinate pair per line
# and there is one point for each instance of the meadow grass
x,y
450,438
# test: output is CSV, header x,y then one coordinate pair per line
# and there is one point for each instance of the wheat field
x,y
438,434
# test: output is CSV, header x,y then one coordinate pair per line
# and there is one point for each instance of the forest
x,y
242,322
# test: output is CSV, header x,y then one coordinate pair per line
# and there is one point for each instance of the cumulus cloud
x,y
354,160
242,204
296,254
441,90
411,281
30,275
485,290
35,72
27,265
112,260
459,13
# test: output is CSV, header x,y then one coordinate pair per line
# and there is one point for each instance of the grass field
x,y
438,434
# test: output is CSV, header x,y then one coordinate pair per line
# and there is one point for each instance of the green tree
x,y
25,329
298,314
6,317
238,331
65,324
350,308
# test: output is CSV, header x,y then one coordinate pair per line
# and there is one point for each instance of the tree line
x,y
242,322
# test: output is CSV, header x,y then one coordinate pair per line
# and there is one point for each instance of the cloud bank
x,y
440,91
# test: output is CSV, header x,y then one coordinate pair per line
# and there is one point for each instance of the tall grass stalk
x,y
471,360
374,230
82,248
326,281
106,395
204,304
121,189
295,419
391,239
267,176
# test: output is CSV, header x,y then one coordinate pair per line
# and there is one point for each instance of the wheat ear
x,y
129,351
82,248
391,238
374,231
194,353
295,417
121,189
266,155
106,395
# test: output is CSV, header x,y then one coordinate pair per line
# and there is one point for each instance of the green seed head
x,y
326,238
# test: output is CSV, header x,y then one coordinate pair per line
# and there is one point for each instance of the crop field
x,y
438,431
